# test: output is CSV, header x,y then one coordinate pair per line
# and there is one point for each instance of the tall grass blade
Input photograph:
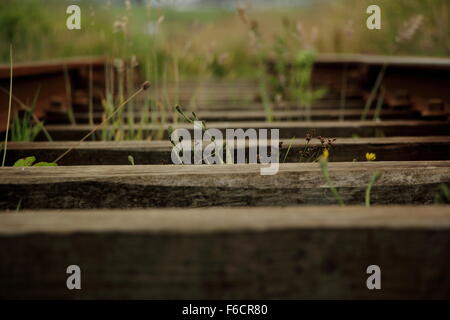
x,y
9,103
69,96
375,177
374,91
324,168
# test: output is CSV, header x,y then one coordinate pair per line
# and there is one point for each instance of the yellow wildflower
x,y
325,154
371,156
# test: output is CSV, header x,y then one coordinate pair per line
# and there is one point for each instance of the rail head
x,y
399,61
49,67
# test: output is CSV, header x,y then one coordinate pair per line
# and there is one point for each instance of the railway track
x,y
158,230
50,83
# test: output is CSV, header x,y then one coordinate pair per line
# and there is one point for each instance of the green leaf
x,y
445,191
305,58
25,162
319,93
45,164
181,112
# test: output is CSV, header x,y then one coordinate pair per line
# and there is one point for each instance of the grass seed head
x,y
145,85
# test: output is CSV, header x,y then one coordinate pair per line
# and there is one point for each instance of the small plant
x,y
374,179
313,153
143,88
265,98
19,205
443,195
191,120
131,160
373,92
287,76
26,126
68,86
288,149
301,82
30,162
343,96
323,161
376,115
21,128
217,65
261,55
9,104
406,33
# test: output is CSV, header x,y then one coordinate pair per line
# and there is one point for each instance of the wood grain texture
x,y
217,185
158,152
224,253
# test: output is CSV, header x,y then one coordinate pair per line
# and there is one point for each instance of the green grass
x,y
324,168
190,44
197,35
9,104
373,179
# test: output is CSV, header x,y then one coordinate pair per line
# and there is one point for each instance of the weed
x,y
131,160
343,96
301,83
68,85
30,162
376,115
257,44
404,34
192,119
373,92
288,149
375,177
267,104
91,93
323,161
9,104
26,126
217,66
143,87
312,153
289,73
443,194
19,205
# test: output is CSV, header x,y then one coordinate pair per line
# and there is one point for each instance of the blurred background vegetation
x,y
209,37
